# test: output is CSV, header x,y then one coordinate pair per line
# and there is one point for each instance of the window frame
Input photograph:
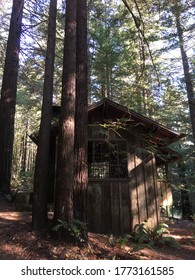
x,y
102,165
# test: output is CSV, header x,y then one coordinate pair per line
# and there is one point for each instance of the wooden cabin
x,y
124,150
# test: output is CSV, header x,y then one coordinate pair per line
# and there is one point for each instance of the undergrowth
x,y
146,236
74,232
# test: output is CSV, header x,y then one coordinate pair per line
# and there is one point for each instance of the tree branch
x,y
137,21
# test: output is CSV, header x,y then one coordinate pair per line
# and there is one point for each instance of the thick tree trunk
x,y
39,214
8,96
63,209
186,68
186,206
81,120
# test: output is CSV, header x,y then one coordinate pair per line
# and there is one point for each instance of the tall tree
x,y
39,217
173,92
4,29
177,8
63,209
81,120
8,95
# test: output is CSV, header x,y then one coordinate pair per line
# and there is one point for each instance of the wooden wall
x,y
109,207
144,194
117,206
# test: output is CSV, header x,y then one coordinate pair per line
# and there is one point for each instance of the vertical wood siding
x,y
109,207
117,206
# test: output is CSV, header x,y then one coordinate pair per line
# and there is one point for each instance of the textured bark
x,y
39,214
81,121
63,209
186,68
8,95
185,201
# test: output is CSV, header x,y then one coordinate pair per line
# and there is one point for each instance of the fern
x,y
75,230
144,234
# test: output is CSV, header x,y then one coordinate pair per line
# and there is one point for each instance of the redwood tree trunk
x,y
81,119
8,96
63,209
39,214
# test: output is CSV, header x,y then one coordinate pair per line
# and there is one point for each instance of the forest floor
x,y
19,242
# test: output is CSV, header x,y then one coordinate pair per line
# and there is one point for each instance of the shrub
x,y
144,234
74,232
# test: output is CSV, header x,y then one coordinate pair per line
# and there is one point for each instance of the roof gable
x,y
113,110
155,133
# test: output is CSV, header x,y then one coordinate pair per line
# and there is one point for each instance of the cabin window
x,y
107,159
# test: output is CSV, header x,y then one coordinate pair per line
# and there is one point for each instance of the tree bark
x,y
8,96
81,117
63,209
186,68
39,214
185,201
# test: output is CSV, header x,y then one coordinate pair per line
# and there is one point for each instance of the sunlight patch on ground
x,y
14,216
179,237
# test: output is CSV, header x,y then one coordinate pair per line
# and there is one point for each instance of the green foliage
x,y
75,232
145,237
144,234
23,182
124,239
168,241
119,68
113,52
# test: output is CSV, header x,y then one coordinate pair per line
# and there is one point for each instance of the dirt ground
x,y
19,242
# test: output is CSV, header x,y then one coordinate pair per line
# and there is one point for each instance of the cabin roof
x,y
113,110
159,135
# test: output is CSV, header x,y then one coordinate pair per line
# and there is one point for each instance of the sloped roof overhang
x,y
162,135
159,135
